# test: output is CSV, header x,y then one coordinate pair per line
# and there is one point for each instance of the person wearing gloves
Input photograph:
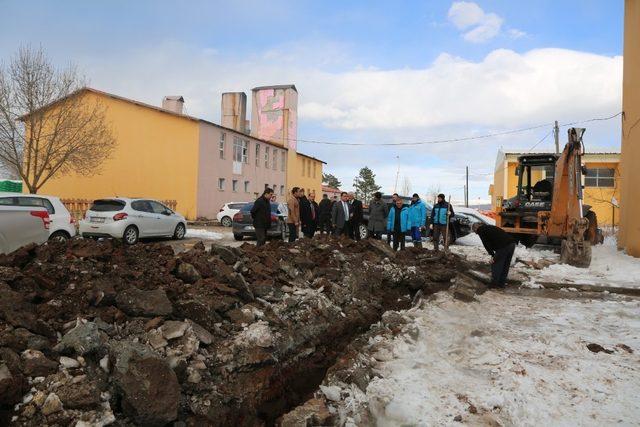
x,y
417,219
398,223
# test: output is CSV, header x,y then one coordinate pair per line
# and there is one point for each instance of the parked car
x,y
473,215
131,219
227,211
22,225
63,224
243,222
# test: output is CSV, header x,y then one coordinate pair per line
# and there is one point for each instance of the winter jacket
x,y
357,210
261,213
294,210
494,238
417,214
404,219
439,213
324,209
378,212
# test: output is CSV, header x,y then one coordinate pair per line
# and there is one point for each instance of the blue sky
x,y
367,71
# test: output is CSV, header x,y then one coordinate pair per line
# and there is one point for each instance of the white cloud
x,y
469,16
514,33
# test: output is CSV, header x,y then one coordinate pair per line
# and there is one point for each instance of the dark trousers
x,y
261,236
354,233
440,230
325,225
376,235
344,231
389,234
398,239
309,229
293,232
501,264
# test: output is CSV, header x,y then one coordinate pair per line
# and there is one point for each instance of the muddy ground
x,y
93,333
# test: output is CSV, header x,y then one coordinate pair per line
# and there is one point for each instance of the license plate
x,y
96,219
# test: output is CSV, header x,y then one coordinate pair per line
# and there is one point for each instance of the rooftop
x,y
275,87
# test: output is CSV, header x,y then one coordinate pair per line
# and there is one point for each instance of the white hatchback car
x,y
131,219
63,224
227,211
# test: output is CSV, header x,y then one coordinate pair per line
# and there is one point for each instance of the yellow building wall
x,y
629,236
300,173
156,156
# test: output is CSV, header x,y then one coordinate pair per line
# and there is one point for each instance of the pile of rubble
x,y
93,332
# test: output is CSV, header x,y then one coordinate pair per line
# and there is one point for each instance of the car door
x,y
41,202
166,220
144,218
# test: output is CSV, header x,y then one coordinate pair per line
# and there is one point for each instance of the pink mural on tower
x,y
271,107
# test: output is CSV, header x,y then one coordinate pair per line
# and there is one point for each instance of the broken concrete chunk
x,y
156,339
172,329
83,339
331,392
202,334
187,273
226,254
69,362
51,404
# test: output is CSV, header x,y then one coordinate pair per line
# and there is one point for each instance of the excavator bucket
x,y
575,250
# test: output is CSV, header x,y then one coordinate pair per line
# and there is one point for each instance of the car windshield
x,y
107,205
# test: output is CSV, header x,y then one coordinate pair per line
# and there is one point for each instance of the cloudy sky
x,y
368,72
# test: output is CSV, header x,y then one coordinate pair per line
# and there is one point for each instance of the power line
x,y
456,140
540,142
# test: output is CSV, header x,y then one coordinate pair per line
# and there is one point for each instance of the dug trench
x,y
93,333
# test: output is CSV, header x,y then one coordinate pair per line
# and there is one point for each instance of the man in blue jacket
x,y
439,222
398,223
417,219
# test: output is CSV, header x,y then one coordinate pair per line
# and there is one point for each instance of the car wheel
x,y
528,240
130,235
59,236
180,231
226,221
238,237
363,230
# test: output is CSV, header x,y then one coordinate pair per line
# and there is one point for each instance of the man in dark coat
x,y
341,214
500,245
261,214
324,214
357,217
309,215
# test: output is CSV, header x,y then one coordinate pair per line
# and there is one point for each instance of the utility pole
x,y
395,187
556,136
466,190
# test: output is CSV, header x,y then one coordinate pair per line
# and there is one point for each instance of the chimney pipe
x,y
234,111
173,103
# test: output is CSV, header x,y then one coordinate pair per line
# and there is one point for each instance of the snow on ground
x,y
510,360
609,267
204,234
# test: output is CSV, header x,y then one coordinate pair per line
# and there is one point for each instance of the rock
x,y
313,413
226,254
104,364
194,377
237,281
173,329
156,340
68,362
241,315
52,404
257,334
136,302
37,365
153,323
150,392
187,273
202,334
80,395
597,348
39,398
122,352
11,386
331,392
83,339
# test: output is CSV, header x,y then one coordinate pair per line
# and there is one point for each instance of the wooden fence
x,y
78,207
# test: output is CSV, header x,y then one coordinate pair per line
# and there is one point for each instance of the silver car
x,y
21,225
131,219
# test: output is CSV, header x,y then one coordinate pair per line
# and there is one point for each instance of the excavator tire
x,y
527,240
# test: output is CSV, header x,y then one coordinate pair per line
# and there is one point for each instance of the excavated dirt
x,y
93,333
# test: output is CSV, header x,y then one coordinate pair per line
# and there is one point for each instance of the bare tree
x,y
47,127
433,191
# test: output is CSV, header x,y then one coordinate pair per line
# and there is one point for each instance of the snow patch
x,y
203,234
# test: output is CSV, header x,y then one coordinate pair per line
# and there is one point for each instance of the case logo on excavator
x,y
534,204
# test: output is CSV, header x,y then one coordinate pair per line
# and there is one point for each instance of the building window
x,y
257,154
240,150
221,184
275,159
282,161
221,144
600,177
266,157
309,168
304,166
282,190
234,185
246,186
266,186
314,169
274,187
